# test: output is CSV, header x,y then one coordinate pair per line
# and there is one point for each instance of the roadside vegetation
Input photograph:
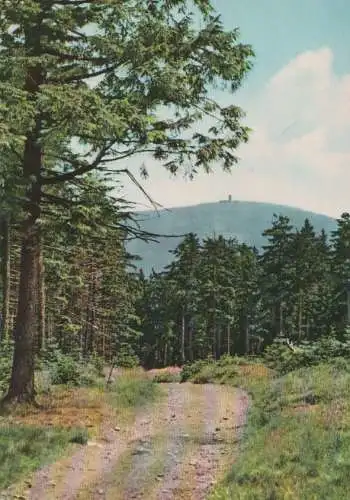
x,y
73,401
295,445
297,439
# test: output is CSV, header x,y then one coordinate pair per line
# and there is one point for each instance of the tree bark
x,y
190,343
228,339
41,299
281,319
22,377
300,316
218,349
165,354
183,328
247,338
5,271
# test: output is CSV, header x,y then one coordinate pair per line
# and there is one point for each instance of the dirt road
x,y
174,450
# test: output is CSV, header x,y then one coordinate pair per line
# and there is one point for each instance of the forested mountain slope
x,y
244,220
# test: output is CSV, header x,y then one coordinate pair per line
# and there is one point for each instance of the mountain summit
x,y
243,220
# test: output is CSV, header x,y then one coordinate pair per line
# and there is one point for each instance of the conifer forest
x,y
224,374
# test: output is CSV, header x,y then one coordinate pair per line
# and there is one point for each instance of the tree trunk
x,y
274,331
300,316
49,330
218,349
22,377
281,319
247,339
93,307
190,343
5,271
165,354
228,339
41,300
183,328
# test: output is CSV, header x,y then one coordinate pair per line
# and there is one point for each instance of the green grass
x,y
232,370
297,441
166,378
133,390
25,448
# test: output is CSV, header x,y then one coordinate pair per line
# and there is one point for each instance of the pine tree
x,y
182,273
102,89
218,270
340,253
277,272
159,343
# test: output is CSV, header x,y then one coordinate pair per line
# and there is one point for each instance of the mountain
x,y
244,220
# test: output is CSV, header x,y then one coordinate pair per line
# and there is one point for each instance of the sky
x,y
297,100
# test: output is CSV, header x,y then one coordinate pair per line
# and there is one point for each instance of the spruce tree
x,y
340,253
98,75
277,275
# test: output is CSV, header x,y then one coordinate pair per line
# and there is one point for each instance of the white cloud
x,y
299,153
312,156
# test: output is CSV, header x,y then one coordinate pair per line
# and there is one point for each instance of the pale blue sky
x,y
280,29
297,100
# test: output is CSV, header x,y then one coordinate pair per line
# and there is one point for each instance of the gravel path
x,y
172,422
177,437
92,462
198,427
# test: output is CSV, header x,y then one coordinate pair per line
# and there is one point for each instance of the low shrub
x,y
166,378
205,376
126,358
79,436
284,359
65,370
98,363
165,375
191,369
133,389
226,360
226,370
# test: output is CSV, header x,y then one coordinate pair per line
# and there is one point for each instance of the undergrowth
x,y
233,370
297,441
132,390
31,437
166,378
328,348
25,448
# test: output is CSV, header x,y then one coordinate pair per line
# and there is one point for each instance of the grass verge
x,y
297,441
25,448
132,390
33,437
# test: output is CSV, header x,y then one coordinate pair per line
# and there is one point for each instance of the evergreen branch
x,y
75,57
58,199
83,76
81,167
74,3
140,187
